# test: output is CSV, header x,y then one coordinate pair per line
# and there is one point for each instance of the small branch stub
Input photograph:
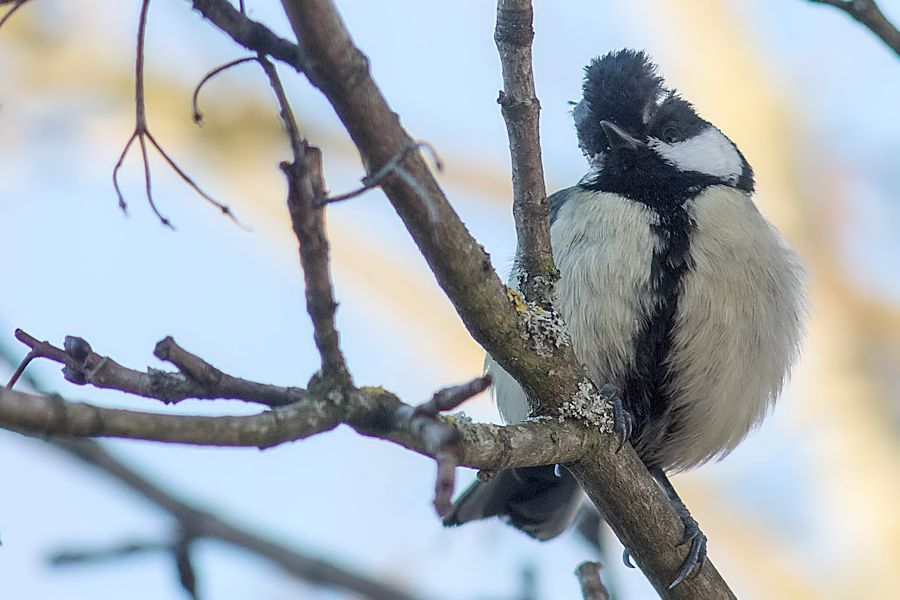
x,y
592,587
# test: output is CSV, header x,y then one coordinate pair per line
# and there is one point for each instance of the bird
x,y
684,304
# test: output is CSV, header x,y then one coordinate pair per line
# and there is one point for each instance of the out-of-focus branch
x,y
592,587
870,16
521,111
195,523
201,524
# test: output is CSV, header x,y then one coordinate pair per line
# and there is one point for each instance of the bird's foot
x,y
623,421
696,556
693,562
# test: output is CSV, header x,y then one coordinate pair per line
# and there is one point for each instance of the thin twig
x,y
306,182
373,412
868,13
250,34
204,381
521,112
451,397
142,134
442,439
375,179
17,4
20,369
195,97
592,587
66,558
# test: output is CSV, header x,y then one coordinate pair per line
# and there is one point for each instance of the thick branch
x,y
382,415
870,16
547,367
521,111
642,518
50,415
551,378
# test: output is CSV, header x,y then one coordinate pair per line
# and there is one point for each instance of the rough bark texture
x,y
521,112
462,267
464,272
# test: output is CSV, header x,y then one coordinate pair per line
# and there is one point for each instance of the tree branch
x,y
521,111
249,33
549,373
545,365
870,16
198,523
306,184
198,379
592,587
371,411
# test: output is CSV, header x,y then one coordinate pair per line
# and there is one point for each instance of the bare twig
x,y
592,587
203,382
443,440
184,563
521,111
451,397
77,557
16,5
298,412
869,15
306,182
618,484
375,179
20,369
376,413
195,97
142,134
249,33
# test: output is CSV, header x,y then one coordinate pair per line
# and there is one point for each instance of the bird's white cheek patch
x,y
708,152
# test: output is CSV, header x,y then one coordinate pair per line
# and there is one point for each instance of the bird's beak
x,y
618,138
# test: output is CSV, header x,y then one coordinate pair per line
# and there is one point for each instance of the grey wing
x,y
557,199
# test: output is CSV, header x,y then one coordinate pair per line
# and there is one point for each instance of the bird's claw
x,y
696,556
623,421
626,558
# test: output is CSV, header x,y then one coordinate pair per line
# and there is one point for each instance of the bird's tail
x,y
541,501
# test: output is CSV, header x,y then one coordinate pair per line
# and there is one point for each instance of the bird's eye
x,y
671,134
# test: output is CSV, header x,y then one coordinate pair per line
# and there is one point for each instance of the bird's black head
x,y
620,87
646,142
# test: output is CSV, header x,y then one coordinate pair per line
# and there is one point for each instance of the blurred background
x,y
807,507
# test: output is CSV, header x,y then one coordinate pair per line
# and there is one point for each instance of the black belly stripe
x,y
644,390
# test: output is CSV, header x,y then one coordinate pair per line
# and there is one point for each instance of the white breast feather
x,y
738,326
603,247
